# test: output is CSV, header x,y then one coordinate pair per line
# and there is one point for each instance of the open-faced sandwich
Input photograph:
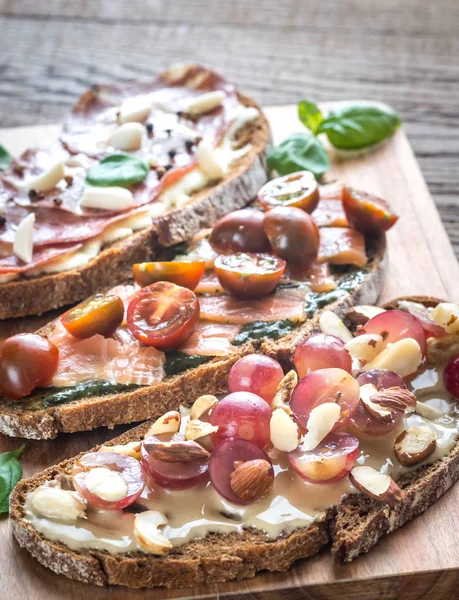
x,y
258,281
137,166
357,438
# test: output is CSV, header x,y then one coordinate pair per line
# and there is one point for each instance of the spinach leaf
x,y
5,158
263,329
299,152
355,126
118,170
310,115
10,474
177,362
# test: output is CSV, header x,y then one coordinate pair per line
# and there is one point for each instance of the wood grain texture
x,y
404,53
418,560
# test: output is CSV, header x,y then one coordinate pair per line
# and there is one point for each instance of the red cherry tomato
x,y
99,315
297,189
185,273
163,315
367,213
249,276
27,361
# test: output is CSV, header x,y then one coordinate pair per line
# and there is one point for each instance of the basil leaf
x,y
5,158
299,152
310,115
10,474
355,126
118,169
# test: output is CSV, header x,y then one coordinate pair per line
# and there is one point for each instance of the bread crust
x,y
209,378
35,296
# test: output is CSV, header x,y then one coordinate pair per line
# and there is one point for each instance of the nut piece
x,y
440,350
131,449
55,503
396,399
252,480
179,451
375,484
196,429
146,531
403,357
321,421
414,445
359,315
446,315
284,432
331,324
428,412
367,393
366,346
284,392
167,423
106,484
202,405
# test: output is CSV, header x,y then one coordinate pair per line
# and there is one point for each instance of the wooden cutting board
x,y
418,560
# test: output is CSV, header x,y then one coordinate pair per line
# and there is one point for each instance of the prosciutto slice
x,y
342,246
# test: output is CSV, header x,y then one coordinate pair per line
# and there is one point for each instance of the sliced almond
x,y
321,421
176,451
146,531
252,480
106,484
360,315
127,137
55,503
331,324
284,432
206,102
428,412
48,180
284,392
365,347
446,315
131,449
202,405
375,484
403,357
196,429
375,410
167,423
414,445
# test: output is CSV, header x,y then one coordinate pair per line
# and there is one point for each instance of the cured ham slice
x,y
209,284
342,246
329,212
211,339
318,278
285,304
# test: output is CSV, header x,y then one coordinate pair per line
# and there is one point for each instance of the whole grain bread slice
x,y
353,527
37,295
209,378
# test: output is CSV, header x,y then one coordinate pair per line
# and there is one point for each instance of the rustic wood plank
x,y
420,558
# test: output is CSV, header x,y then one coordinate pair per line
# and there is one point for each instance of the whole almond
x,y
179,451
413,445
252,480
396,399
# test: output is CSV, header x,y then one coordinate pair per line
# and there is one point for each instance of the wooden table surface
x,y
401,52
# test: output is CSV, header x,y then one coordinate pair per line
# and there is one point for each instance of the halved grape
x,y
173,475
362,423
225,458
394,325
242,415
325,385
256,373
321,351
331,461
127,467
422,314
451,376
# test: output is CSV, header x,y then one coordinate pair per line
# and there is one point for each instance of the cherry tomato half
x,y
240,231
297,189
247,275
98,315
293,235
185,273
27,361
163,315
367,213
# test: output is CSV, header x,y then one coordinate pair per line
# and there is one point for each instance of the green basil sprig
x,y
5,158
351,126
118,170
299,152
10,474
